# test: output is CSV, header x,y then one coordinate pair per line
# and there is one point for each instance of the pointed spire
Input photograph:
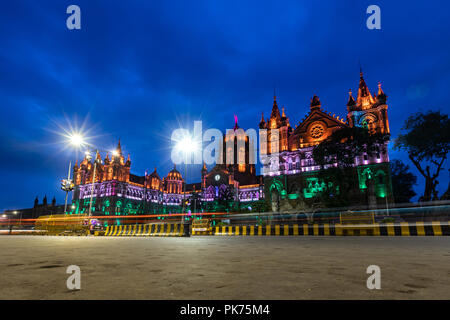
x,y
119,148
381,97
362,84
235,123
364,98
283,115
262,123
275,111
351,100
380,91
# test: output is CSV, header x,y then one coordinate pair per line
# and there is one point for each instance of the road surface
x,y
221,267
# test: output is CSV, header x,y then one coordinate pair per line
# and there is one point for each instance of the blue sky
x,y
138,69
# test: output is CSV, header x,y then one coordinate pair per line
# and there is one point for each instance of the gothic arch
x,y
275,194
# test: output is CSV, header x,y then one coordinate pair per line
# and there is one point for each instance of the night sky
x,y
139,69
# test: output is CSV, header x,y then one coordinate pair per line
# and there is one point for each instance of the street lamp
x,y
4,217
20,217
187,146
77,141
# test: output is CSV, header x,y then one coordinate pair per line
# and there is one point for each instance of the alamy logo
x,y
235,147
374,20
374,280
74,280
74,20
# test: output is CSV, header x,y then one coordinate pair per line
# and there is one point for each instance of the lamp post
x,y
20,216
4,217
67,186
185,183
187,146
77,141
9,224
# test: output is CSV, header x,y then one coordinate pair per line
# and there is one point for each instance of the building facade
x,y
229,185
290,179
291,176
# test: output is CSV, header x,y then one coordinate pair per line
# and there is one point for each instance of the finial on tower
x,y
315,102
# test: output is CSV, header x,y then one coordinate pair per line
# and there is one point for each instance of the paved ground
x,y
34,267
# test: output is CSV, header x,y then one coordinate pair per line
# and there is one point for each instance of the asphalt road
x,y
34,267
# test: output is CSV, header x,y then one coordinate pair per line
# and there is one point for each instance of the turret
x,y
262,123
381,96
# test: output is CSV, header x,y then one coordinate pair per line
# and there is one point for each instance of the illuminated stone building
x,y
289,175
116,191
289,169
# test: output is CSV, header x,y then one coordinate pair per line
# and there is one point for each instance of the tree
x,y
427,142
402,181
336,157
259,206
225,197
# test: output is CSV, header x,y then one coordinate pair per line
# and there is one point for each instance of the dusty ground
x,y
34,267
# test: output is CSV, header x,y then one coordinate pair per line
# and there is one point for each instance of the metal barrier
x,y
146,230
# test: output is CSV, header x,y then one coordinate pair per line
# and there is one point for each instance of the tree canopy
x,y
426,139
402,181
